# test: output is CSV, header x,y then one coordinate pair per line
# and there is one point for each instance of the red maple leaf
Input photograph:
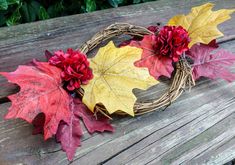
x,y
43,102
40,92
211,65
157,65
69,134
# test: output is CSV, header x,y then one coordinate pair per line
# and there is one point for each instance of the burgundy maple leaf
x,y
69,134
211,65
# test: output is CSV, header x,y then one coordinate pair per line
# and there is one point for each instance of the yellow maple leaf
x,y
115,76
202,23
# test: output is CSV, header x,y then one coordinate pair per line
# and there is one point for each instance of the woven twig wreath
x,y
182,77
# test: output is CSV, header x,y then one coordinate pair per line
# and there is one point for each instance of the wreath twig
x,y
182,78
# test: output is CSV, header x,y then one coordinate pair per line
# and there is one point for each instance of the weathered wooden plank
x,y
209,148
221,155
208,141
20,44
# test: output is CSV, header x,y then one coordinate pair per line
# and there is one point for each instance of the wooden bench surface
x,y
199,128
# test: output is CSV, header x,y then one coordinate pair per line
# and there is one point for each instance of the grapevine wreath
x,y
56,94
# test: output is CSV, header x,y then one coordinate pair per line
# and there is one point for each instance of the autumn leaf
x,y
157,65
202,23
211,65
40,92
69,134
115,76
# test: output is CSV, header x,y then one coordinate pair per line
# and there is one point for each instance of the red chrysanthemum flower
x,y
75,67
171,41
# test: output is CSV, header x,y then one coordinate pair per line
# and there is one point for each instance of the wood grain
x,y
198,128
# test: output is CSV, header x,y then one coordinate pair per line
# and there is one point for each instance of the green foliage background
x,y
14,12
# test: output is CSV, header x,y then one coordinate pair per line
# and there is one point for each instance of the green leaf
x,y
90,5
43,13
2,19
14,19
147,0
55,10
136,1
25,13
34,8
12,2
104,6
115,3
3,5
30,11
83,9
